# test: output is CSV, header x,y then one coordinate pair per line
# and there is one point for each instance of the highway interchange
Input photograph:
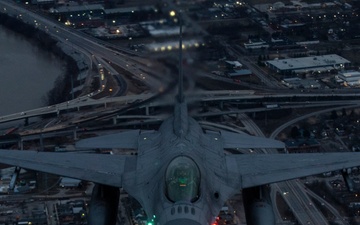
x,y
134,63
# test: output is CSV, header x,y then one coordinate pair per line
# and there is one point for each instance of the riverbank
x,y
65,83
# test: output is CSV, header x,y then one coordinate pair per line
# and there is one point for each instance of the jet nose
x,y
182,222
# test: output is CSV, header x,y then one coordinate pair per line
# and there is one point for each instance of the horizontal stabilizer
x,y
126,139
237,140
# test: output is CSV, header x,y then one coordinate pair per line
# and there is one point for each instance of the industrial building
x,y
80,15
256,44
69,182
308,64
350,78
297,82
38,2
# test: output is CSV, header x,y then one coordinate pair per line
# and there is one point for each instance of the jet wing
x,y
98,168
255,169
237,140
126,139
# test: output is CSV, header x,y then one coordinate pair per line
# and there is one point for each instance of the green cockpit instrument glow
x,y
182,180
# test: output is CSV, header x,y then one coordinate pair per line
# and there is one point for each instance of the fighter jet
x,y
181,173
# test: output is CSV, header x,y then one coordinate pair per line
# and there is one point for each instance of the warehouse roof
x,y
308,62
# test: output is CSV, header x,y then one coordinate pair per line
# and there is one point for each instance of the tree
x,y
352,114
295,133
343,112
306,133
333,115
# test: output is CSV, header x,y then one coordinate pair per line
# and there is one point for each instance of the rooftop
x,y
349,73
128,9
78,8
308,62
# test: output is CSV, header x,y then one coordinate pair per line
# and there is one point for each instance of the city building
x,y
80,15
308,64
69,182
350,78
256,44
38,2
125,14
297,82
238,74
233,64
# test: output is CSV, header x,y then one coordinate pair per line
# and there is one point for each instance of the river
x,y
27,73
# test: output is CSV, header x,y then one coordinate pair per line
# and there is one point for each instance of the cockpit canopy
x,y
182,180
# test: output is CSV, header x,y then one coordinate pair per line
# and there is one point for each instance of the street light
x,y
172,13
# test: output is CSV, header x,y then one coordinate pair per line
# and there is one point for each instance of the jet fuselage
x,y
180,178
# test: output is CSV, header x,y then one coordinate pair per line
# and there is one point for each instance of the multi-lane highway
x,y
138,66
73,104
144,69
293,192
203,96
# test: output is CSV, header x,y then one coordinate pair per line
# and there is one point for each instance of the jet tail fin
x,y
180,96
180,109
